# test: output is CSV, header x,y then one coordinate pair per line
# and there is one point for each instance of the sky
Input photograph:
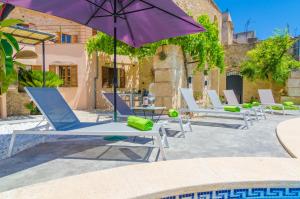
x,y
264,16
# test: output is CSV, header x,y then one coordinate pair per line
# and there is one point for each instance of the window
x,y
108,77
67,73
65,38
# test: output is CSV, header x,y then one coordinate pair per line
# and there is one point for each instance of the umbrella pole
x,y
44,64
115,138
115,61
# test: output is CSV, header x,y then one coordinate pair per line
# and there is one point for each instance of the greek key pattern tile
x,y
253,193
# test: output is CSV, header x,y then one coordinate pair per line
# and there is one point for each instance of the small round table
x,y
151,109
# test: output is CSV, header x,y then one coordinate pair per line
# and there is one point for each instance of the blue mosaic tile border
x,y
252,193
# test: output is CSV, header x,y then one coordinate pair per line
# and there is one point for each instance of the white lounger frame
x,y
267,100
245,114
232,100
160,141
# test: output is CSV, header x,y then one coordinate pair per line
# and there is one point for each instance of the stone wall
x,y
227,29
3,108
200,7
234,55
146,73
132,75
293,84
16,103
169,76
293,88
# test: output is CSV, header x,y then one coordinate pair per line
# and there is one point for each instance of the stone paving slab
x,y
153,180
289,136
211,137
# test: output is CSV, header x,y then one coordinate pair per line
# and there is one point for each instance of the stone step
x,y
294,92
293,83
295,74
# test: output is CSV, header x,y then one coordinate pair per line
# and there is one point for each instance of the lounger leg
x,y
283,110
164,136
161,147
263,112
256,115
245,120
189,124
272,112
181,126
43,119
251,121
11,145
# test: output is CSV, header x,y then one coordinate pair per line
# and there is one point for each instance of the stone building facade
x,y
235,54
92,73
68,52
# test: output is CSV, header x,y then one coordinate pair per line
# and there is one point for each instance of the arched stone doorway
x,y
234,81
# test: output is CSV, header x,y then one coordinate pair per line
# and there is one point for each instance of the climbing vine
x,y
204,47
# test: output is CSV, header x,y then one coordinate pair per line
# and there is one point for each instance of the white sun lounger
x,y
124,111
267,100
194,108
232,100
64,122
217,104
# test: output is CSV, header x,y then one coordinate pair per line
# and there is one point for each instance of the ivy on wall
x,y
204,47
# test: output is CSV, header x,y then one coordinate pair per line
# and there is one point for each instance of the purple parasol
x,y
135,22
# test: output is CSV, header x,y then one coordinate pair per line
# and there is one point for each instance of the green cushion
x,y
232,108
247,105
288,103
140,123
256,103
279,108
173,113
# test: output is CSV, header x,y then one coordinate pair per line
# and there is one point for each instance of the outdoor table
x,y
151,109
132,97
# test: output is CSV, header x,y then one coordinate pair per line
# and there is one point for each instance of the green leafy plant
x,y
8,45
197,95
32,108
204,47
32,78
271,59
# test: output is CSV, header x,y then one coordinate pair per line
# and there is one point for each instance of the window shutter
x,y
94,32
58,37
73,74
52,68
74,39
104,77
122,78
36,67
